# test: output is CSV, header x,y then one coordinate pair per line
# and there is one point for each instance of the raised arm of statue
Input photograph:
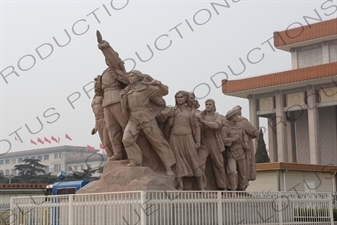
x,y
215,125
99,37
111,56
160,90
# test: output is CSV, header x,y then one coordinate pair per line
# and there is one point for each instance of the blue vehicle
x,y
66,187
63,188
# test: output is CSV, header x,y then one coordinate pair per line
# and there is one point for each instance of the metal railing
x,y
4,207
174,207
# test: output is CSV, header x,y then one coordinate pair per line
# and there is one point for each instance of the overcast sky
x,y
194,44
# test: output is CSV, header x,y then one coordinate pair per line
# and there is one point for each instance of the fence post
x,y
70,210
220,222
142,207
331,209
280,214
11,210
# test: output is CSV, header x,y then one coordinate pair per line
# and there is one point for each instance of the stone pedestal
x,y
118,177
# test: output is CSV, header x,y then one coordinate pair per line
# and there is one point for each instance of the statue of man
x,y
142,117
100,126
236,148
252,132
211,142
114,78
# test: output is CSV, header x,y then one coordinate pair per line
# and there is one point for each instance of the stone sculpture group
x,y
200,150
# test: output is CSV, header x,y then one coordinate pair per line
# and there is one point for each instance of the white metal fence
x,y
174,208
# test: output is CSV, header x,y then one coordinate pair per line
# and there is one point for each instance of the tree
x,y
100,169
32,167
86,174
261,155
3,179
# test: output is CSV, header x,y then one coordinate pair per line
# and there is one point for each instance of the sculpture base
x,y
119,177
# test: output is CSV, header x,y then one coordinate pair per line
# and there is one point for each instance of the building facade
x,y
300,104
65,158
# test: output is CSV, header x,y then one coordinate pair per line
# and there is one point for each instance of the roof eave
x,y
288,47
263,90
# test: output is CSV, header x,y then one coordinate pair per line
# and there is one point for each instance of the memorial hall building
x,y
300,104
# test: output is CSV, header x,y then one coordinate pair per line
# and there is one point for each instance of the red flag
x,y
90,148
16,139
101,146
39,140
47,140
69,138
32,142
54,139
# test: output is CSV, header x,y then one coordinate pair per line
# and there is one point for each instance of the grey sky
x,y
223,36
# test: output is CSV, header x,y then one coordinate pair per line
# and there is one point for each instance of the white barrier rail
x,y
174,208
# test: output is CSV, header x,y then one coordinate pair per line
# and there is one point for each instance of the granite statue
x,y
184,139
212,144
135,99
252,133
100,126
236,147
152,146
114,79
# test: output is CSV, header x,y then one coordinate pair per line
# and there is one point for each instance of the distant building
x,y
66,158
300,104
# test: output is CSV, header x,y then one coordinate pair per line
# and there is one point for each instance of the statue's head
x,y
239,108
98,85
210,105
182,97
232,114
135,76
193,101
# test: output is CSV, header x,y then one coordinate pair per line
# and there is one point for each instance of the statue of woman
x,y
184,139
136,105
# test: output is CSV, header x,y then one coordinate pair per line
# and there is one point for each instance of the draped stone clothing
x,y
136,105
251,132
236,157
100,125
184,134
